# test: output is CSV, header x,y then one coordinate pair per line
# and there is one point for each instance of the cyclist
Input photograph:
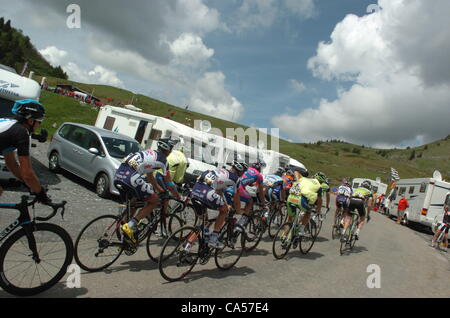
x,y
304,194
131,172
444,226
344,193
275,191
358,200
325,184
209,189
288,178
251,178
15,134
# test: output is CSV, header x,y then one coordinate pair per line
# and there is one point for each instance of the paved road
x,y
408,266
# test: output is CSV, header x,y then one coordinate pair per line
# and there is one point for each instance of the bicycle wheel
x,y
21,274
176,259
99,243
159,234
187,215
276,220
336,231
254,231
307,241
234,242
281,244
353,237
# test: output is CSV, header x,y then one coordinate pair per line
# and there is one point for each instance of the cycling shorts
x,y
244,194
357,204
208,196
135,180
295,202
342,202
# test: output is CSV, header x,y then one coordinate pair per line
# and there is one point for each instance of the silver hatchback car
x,y
91,153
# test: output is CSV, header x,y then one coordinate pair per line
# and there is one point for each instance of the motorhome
x,y
148,129
13,87
297,164
377,186
426,198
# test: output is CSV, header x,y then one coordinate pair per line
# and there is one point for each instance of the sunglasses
x,y
39,120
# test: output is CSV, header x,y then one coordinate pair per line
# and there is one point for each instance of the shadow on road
x,y
216,273
58,291
355,250
131,266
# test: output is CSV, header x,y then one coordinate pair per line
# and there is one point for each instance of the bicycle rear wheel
x,y
99,243
336,231
21,274
176,259
307,241
254,231
276,220
281,242
159,234
234,242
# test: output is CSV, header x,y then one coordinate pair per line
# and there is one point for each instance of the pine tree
x,y
7,27
2,23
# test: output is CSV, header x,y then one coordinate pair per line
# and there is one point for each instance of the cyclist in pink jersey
x,y
252,177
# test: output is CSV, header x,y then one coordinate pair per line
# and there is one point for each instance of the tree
x,y
7,27
413,155
2,23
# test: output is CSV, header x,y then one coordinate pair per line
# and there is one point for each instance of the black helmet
x,y
258,165
240,166
28,108
165,144
367,184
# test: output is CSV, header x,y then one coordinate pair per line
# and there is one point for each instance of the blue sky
x,y
316,69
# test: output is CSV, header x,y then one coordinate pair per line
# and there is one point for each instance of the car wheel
x,y
53,162
102,185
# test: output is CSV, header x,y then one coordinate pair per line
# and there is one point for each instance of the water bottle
x,y
206,234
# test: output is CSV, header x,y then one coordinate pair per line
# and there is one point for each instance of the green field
x,y
336,159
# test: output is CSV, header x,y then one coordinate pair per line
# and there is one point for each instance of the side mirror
x,y
94,151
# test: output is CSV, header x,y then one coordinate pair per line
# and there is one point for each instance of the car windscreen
x,y
119,148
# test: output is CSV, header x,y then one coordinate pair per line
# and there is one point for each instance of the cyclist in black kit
x,y
15,134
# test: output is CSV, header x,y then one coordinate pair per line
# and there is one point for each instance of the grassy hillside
x,y
16,49
336,159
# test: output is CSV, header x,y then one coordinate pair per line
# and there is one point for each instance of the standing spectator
x,y
402,206
443,226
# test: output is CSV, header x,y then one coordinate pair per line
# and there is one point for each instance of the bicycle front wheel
x,y
99,243
254,231
24,276
282,241
177,258
234,242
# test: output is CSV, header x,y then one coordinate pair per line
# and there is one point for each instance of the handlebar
x,y
54,206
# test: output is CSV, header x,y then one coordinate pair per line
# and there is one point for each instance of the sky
x,y
367,72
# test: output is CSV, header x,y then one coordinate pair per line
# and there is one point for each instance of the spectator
x,y
402,206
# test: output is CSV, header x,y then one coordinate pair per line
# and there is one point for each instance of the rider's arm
x,y
237,201
319,205
262,197
28,175
171,185
13,166
153,182
328,200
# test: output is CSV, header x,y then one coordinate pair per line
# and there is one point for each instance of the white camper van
x,y
377,186
296,163
13,87
426,197
148,129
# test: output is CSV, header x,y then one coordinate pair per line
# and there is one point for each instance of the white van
x,y
13,87
377,186
426,197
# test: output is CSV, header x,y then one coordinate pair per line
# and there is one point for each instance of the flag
x,y
394,175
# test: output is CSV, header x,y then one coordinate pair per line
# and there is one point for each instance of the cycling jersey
x,y
251,176
219,179
344,191
147,161
177,166
14,135
311,189
362,193
272,181
288,181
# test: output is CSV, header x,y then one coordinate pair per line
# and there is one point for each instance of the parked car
x,y
91,153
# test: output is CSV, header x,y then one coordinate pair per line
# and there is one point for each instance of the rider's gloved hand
x,y
42,196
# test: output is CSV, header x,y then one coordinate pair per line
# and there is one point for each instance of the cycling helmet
x,y
258,165
165,144
239,166
28,108
321,177
280,172
366,184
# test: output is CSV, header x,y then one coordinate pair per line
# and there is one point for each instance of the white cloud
x,y
401,90
99,75
189,49
211,97
297,86
54,56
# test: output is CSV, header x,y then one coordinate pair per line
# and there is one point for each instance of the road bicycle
x,y
101,242
439,244
288,236
318,219
348,239
189,245
278,216
336,230
36,257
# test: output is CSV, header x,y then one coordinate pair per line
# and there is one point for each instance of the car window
x,y
65,131
79,136
119,148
